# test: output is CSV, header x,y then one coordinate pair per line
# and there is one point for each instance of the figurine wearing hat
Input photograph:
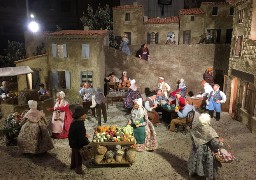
x,y
163,86
77,138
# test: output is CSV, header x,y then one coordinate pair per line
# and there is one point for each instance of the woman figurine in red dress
x,y
62,117
124,81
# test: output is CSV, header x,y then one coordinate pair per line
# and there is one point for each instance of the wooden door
x,y
186,37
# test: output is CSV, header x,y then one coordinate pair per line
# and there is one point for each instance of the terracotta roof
x,y
191,11
128,7
77,32
173,19
30,58
216,3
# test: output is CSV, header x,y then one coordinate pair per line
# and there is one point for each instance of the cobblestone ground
x,y
166,163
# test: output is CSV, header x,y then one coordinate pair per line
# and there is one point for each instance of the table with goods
x,y
113,145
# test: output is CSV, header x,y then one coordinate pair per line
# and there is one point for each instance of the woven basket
x,y
87,152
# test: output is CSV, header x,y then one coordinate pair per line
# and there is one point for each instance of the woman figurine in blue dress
x,y
124,45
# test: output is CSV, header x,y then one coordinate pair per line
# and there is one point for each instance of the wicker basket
x,y
87,152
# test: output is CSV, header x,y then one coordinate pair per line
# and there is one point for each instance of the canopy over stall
x,y
14,71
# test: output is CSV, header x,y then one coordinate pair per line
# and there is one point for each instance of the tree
x,y
15,51
101,18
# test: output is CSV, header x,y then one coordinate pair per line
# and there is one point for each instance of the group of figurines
x,y
142,53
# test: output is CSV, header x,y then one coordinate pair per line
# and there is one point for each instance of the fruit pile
x,y
113,134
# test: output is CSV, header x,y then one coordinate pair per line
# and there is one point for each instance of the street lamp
x,y
33,26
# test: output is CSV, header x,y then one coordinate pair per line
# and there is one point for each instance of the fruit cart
x,y
113,146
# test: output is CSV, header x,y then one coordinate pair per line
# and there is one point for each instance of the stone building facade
x,y
191,25
211,19
241,81
74,56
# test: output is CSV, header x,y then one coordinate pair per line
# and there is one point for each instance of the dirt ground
x,y
169,162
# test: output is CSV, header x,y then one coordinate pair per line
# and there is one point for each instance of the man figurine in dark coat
x,y
77,138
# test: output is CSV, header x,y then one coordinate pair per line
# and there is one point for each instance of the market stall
x,y
113,145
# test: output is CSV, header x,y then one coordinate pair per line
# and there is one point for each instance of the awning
x,y
14,71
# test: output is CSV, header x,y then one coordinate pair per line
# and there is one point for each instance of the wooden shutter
x,y
65,53
148,38
85,51
54,50
54,79
68,79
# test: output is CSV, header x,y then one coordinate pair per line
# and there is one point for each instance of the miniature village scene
x,y
128,89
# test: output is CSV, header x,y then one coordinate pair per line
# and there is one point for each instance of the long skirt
x,y
34,138
150,141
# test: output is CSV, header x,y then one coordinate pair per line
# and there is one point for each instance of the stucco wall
x,y
75,64
38,63
172,62
196,27
223,20
163,30
135,25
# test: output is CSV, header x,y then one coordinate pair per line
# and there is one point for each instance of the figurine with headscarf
x,y
34,136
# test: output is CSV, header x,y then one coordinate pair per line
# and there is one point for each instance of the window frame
x,y
87,79
127,16
213,14
231,9
56,51
55,79
235,53
192,18
85,55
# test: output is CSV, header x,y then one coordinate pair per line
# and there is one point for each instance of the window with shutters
x,y
87,76
238,46
148,37
241,16
60,80
85,51
59,50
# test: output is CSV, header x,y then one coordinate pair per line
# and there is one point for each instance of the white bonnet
x,y
133,81
161,78
138,101
32,104
204,119
62,94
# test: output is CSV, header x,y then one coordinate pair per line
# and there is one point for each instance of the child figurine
x,y
77,138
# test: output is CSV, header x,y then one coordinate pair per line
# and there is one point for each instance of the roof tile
x,y
216,3
128,7
191,11
77,32
173,19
